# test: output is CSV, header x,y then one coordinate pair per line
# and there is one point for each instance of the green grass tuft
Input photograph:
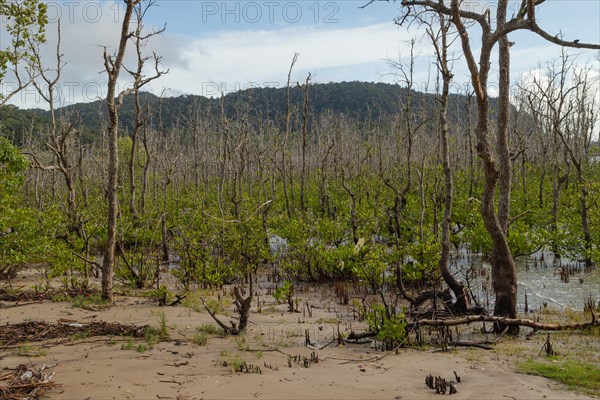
x,y
200,339
576,375
210,329
93,302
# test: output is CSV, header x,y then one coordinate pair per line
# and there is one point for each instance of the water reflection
x,y
538,276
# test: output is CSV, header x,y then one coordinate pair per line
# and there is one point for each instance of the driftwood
x,y
25,383
471,344
242,306
508,321
231,330
35,331
18,296
360,336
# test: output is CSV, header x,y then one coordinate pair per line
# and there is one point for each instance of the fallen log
x,y
230,330
360,336
508,321
471,344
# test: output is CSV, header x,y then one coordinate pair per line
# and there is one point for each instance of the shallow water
x,y
538,276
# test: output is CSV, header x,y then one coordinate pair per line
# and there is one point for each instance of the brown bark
x,y
242,304
288,122
462,298
113,68
510,322
496,173
139,81
304,134
504,279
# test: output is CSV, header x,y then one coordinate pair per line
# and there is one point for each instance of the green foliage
x,y
163,331
61,297
137,264
284,292
389,326
27,350
162,295
241,343
80,335
210,329
425,255
127,345
142,348
575,374
28,235
211,254
236,363
12,164
525,239
215,306
348,98
200,339
369,264
393,329
91,302
24,22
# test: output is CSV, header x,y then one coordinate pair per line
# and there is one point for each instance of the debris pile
x,y
24,383
36,331
23,296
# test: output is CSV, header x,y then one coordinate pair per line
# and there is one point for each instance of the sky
x,y
215,47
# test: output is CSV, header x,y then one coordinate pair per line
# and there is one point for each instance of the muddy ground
x,y
113,367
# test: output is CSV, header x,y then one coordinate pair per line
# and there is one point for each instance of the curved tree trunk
x,y
496,173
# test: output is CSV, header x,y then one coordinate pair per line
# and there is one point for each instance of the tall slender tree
x,y
113,64
496,160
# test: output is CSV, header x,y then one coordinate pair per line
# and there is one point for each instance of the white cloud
x,y
225,60
235,59
230,60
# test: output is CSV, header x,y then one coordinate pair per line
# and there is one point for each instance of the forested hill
x,y
362,101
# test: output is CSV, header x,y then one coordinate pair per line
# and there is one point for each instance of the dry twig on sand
x,y
26,383
35,331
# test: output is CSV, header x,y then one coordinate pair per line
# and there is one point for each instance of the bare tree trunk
x,y
352,195
504,274
288,122
502,136
113,68
470,142
496,172
139,81
304,134
441,47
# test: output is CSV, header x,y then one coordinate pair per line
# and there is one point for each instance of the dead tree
x,y
139,81
61,132
305,115
242,307
288,128
496,164
112,65
440,43
571,110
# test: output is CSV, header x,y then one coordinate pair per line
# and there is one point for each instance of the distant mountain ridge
x,y
361,101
